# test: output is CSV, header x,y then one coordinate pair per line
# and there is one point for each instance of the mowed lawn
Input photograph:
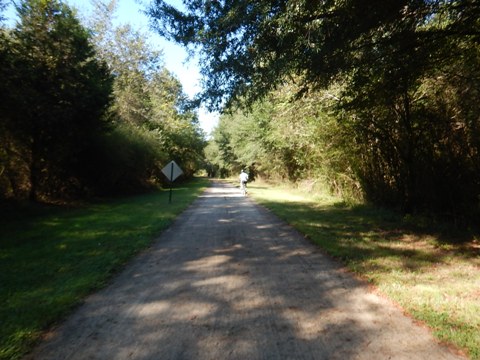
x,y
434,274
52,257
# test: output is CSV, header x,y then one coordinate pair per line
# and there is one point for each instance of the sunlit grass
x,y
434,277
51,258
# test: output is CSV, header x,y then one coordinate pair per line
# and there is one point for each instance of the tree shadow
x,y
359,233
229,280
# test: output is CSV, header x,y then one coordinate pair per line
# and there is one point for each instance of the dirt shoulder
x,y
231,281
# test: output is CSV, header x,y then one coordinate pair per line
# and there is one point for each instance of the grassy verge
x,y
433,276
51,258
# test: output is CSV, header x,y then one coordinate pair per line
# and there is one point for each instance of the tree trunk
x,y
34,167
409,175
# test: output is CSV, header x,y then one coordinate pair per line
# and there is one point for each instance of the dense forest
x,y
373,100
87,109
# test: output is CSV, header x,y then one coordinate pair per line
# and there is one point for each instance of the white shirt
x,y
243,177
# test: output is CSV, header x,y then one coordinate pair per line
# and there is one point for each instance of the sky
x,y
130,11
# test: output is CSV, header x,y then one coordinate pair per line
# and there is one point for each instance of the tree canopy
x,y
249,47
399,77
56,96
87,109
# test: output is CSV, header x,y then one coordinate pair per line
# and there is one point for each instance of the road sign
x,y
172,171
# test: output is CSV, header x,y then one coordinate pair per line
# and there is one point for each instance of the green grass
x,y
51,257
433,275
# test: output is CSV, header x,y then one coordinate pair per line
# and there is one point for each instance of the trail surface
x,y
231,281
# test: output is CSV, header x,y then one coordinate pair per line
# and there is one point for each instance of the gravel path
x,y
231,281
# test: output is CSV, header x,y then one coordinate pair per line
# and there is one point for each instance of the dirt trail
x,y
230,281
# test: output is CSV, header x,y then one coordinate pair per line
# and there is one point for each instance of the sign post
x,y
171,171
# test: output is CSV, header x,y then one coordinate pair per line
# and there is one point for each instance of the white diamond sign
x,y
172,171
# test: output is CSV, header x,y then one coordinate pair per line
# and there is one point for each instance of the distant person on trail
x,y
243,181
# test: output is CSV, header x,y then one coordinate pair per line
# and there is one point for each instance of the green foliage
x,y
416,143
152,113
130,59
51,258
57,96
78,119
405,76
283,138
248,48
127,159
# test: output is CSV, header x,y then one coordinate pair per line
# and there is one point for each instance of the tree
x,y
250,47
387,58
282,139
3,5
57,96
149,104
12,171
131,60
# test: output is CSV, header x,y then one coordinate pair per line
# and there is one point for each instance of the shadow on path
x,y
230,281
